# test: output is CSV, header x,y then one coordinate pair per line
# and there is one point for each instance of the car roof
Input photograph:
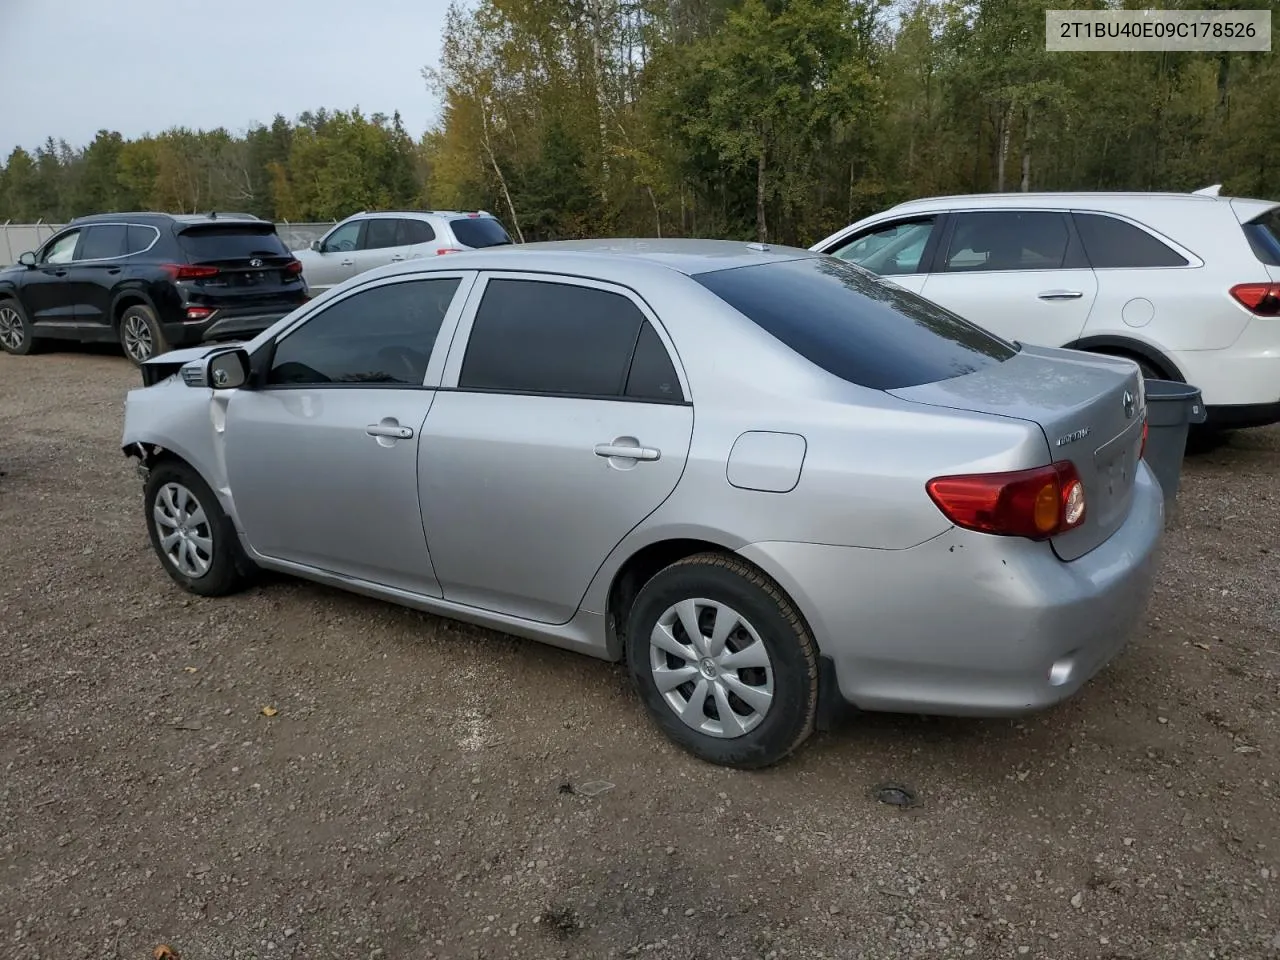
x,y
682,255
188,218
1062,199
616,260
474,214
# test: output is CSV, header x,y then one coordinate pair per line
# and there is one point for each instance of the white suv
x,y
369,240
1188,285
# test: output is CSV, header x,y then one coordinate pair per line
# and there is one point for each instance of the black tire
x,y
11,311
793,655
226,569
140,335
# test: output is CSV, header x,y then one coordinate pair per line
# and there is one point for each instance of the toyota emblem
x,y
1128,404
255,262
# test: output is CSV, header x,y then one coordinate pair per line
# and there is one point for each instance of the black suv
x,y
150,281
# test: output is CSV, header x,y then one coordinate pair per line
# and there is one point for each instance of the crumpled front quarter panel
x,y
186,421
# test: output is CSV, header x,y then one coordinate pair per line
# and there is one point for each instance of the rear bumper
x,y
225,325
1243,376
1240,416
969,624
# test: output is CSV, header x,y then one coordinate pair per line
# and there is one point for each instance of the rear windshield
x,y
855,326
232,242
479,232
1264,236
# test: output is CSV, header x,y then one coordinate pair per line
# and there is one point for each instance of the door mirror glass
x,y
315,245
28,259
229,370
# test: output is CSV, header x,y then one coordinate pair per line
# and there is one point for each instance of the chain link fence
x,y
16,238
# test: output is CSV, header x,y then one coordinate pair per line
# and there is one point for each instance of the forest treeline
x,y
772,119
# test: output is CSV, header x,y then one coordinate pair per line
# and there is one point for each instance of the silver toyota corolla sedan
x,y
766,479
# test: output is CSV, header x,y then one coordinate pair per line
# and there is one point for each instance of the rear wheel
x,y
140,334
195,540
723,661
16,334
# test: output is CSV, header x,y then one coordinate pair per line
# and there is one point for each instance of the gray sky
x,y
72,67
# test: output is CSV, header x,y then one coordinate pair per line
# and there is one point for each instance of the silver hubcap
x,y
11,332
137,337
711,668
186,539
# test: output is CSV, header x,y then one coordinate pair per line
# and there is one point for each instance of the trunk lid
x,y
1090,408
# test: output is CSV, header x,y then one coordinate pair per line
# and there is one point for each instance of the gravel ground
x,y
421,789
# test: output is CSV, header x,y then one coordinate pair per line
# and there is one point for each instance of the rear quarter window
x,y
1264,237
854,325
232,242
479,232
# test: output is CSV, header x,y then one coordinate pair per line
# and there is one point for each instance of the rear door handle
x,y
1061,295
397,258
394,431
627,452
347,263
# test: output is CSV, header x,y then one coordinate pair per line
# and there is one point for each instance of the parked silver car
x,y
765,478
367,241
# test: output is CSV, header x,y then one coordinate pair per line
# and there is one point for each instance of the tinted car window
x,y
533,336
380,336
1007,240
139,238
103,240
1264,237
892,249
479,232
652,375
409,232
855,326
1109,242
380,233
232,242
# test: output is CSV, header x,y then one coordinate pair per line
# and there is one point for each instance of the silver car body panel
x,y
518,527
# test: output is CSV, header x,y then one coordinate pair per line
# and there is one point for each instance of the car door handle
x,y
56,273
397,258
1061,295
113,271
627,452
394,431
347,263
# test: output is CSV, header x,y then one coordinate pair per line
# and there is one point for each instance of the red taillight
x,y
1037,503
444,250
292,268
1142,451
199,313
1260,298
185,271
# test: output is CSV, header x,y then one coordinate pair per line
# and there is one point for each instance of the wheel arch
x,y
129,297
1138,350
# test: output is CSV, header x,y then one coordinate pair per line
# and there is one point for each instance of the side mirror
x,y
315,245
227,370
28,259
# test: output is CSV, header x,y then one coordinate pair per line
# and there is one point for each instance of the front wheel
x,y
723,661
195,540
16,334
